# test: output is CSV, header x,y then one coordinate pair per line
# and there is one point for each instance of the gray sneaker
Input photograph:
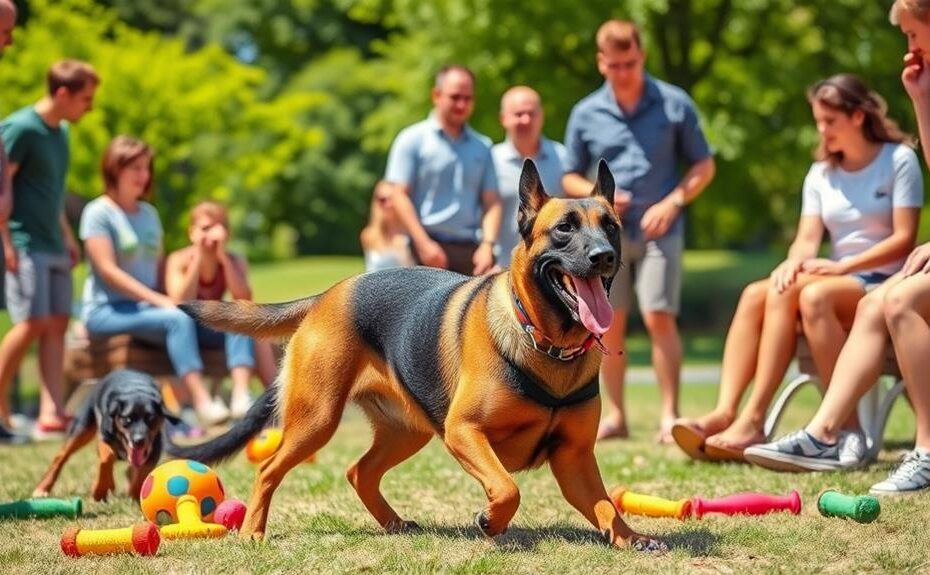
x,y
910,476
795,452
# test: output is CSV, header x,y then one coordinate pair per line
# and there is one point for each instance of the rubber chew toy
x,y
638,504
189,525
141,538
42,508
747,504
859,508
230,514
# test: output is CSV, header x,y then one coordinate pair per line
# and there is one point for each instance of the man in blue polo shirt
x,y
645,129
443,182
522,119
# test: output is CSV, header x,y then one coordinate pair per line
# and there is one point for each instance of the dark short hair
x,y
73,75
618,35
119,154
445,70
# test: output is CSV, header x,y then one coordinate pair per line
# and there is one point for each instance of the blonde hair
x,y
211,209
618,35
847,93
119,154
919,9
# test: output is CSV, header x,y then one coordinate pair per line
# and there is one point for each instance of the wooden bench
x,y
92,358
873,409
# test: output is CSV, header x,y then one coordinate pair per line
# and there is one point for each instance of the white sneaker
x,y
214,413
912,475
851,449
240,405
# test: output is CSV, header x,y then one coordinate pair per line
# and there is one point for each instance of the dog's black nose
x,y
138,441
602,258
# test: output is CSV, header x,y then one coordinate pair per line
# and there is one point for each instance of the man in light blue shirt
x,y
443,182
645,129
522,119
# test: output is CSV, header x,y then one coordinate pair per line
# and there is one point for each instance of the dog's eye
x,y
565,227
610,227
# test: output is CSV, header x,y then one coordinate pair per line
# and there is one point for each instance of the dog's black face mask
x,y
577,256
136,427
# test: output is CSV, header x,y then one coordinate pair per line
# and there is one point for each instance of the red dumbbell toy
x,y
747,504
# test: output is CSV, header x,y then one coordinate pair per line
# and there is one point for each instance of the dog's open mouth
x,y
137,455
586,298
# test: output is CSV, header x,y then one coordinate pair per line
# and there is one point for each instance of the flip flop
x,y
724,454
690,438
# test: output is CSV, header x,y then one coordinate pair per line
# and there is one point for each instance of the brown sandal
x,y
690,438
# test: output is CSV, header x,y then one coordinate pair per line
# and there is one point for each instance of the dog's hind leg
x,y
390,446
72,444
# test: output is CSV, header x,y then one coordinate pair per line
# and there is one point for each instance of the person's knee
x,y
753,296
37,326
814,303
870,310
180,321
660,323
896,306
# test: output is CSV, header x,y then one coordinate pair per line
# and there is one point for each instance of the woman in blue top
x,y
122,237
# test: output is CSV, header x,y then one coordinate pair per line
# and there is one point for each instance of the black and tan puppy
x,y
126,413
498,367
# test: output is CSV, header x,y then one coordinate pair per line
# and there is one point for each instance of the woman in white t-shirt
x,y
899,310
865,190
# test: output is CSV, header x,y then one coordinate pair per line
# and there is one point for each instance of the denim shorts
x,y
870,280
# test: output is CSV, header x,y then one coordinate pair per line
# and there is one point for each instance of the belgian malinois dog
x,y
499,367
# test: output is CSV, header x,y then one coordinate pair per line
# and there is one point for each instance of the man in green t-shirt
x,y
39,247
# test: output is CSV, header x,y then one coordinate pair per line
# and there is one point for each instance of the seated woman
x,y
899,308
123,241
207,270
866,191
384,241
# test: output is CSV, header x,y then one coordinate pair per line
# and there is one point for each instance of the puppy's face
x,y
137,422
573,248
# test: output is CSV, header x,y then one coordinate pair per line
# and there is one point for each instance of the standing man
x,y
522,119
442,181
43,249
7,23
645,129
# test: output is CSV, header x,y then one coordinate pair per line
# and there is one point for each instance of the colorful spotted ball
x,y
265,444
169,481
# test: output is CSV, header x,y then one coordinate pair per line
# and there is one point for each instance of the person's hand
x,y
822,267
622,201
915,77
784,275
483,258
163,301
74,250
658,219
10,259
918,262
431,254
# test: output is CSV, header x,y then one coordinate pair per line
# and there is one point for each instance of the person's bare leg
x,y
776,349
200,397
241,378
51,368
666,360
266,367
13,348
828,308
907,307
740,353
857,367
613,374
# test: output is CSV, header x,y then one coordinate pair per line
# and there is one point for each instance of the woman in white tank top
x,y
383,240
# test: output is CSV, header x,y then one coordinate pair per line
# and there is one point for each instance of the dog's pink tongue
x,y
593,308
135,457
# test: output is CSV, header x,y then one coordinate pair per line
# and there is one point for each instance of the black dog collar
x,y
543,344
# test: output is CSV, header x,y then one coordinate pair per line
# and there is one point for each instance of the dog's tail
x,y
232,441
269,320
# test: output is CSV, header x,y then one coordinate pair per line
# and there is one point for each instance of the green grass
x,y
317,523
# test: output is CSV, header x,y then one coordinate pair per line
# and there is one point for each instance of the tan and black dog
x,y
498,367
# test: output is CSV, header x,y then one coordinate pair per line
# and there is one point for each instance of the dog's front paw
x,y
100,492
648,544
484,524
399,526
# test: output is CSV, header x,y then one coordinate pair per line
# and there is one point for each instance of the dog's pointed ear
x,y
605,185
532,198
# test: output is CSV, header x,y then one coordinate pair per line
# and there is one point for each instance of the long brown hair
x,y
120,153
847,93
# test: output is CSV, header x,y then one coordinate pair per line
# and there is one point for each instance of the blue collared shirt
x,y
446,177
508,163
644,149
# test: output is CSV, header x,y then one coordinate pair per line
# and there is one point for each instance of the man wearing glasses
x,y
645,129
442,181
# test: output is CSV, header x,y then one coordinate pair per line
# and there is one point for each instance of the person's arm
x,y
490,229
182,273
235,272
659,218
102,257
576,186
429,252
896,246
74,250
11,259
804,247
6,187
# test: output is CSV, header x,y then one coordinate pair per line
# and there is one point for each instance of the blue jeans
x,y
169,327
240,349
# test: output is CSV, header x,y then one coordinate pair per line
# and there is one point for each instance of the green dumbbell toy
x,y
41,508
859,508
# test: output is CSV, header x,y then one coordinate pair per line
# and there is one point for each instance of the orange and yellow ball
x,y
169,481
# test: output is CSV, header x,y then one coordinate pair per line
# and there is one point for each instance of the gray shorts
x,y
41,287
654,268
